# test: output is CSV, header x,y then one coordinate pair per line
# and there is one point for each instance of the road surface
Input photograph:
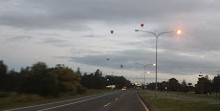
x,y
113,101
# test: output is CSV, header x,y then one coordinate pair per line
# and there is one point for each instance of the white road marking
x,y
56,102
145,107
72,103
44,104
107,104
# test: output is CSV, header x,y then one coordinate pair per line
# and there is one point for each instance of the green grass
x,y
13,99
179,102
213,95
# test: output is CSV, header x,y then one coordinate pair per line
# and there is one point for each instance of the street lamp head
x,y
154,64
178,32
148,72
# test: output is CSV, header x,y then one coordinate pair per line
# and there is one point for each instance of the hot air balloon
x,y
112,31
142,25
107,59
121,66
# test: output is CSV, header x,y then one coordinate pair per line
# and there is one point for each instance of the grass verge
x,y
178,102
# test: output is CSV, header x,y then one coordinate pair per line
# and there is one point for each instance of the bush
x,y
29,97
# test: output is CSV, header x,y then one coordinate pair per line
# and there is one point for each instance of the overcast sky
x,y
77,33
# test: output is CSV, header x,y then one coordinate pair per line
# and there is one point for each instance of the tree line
x,y
204,85
54,81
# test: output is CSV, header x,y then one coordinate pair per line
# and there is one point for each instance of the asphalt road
x,y
114,101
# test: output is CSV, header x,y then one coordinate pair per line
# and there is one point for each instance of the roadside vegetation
x,y
40,83
204,86
175,96
177,101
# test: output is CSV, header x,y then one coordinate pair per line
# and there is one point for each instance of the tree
x,y
38,80
173,85
162,86
203,85
3,76
13,80
94,81
216,85
67,80
3,68
189,84
190,87
184,87
151,86
78,71
118,81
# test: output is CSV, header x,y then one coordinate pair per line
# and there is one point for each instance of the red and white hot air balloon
x,y
142,25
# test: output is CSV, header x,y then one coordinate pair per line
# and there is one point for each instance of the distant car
x,y
123,89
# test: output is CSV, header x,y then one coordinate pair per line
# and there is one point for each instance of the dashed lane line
x,y
107,104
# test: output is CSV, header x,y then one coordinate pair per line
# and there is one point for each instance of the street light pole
x,y
156,69
157,36
145,68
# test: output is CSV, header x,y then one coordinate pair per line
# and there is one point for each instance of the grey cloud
x,y
168,61
49,34
18,38
56,42
91,36
74,14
